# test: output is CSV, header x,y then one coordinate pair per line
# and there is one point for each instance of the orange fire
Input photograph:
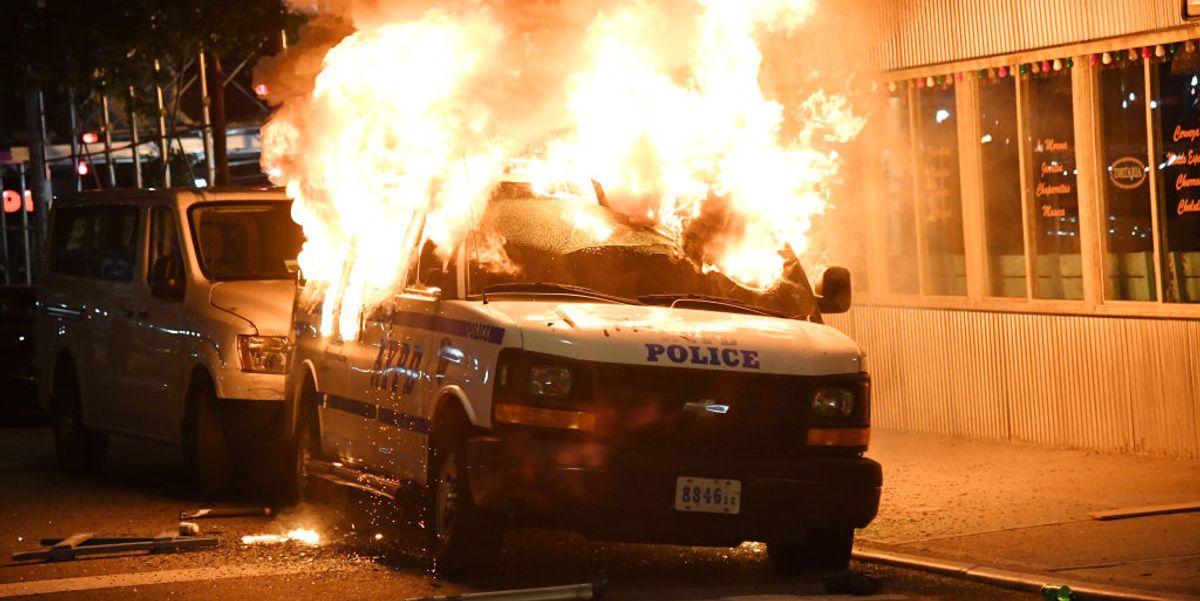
x,y
415,116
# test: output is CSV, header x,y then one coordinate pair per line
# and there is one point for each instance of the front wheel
x,y
820,549
304,445
80,450
464,539
205,450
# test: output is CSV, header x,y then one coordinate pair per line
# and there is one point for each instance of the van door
x,y
157,328
347,411
404,379
110,259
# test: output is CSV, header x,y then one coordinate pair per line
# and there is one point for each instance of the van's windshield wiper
x,y
716,302
553,288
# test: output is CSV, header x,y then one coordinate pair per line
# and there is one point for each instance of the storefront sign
x,y
1055,183
1127,173
12,201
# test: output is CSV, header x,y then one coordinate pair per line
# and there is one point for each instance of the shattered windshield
x,y
529,239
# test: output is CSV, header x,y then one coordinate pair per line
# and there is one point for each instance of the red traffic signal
x,y
90,137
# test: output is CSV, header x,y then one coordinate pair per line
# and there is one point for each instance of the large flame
x,y
413,118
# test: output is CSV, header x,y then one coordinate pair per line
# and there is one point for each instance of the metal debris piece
x,y
571,592
1137,512
226,512
87,543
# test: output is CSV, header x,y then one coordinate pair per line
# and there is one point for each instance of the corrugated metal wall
x,y
1101,383
923,32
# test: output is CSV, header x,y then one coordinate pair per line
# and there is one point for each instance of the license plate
x,y
708,495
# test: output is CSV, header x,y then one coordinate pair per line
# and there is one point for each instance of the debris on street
x,y
1148,510
570,592
185,537
226,512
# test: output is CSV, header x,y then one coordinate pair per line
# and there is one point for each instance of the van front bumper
x,y
611,493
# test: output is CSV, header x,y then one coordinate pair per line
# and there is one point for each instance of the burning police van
x,y
568,369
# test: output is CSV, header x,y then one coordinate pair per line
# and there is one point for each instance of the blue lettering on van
x,y
702,355
447,325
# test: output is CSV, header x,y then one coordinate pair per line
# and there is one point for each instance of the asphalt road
x,y
365,552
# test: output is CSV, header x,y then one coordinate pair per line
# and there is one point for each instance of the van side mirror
x,y
833,291
165,282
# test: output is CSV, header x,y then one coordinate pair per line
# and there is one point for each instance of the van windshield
x,y
552,241
245,240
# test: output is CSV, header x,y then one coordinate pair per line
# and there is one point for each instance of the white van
x,y
602,384
164,314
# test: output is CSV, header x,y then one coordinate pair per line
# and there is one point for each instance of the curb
x,y
1011,579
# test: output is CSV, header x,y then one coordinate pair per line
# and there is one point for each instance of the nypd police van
x,y
596,381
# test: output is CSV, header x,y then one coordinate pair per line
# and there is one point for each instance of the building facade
x,y
1030,264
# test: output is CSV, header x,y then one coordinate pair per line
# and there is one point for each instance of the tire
x,y
206,456
303,445
464,540
80,450
820,549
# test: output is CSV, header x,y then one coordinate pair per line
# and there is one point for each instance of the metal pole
x,y
43,188
108,157
74,139
209,161
163,149
4,237
25,226
134,141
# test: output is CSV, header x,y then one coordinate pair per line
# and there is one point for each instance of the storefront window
x,y
940,206
1053,192
895,168
1178,120
1002,187
1129,257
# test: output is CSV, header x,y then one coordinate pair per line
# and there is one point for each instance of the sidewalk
x,y
1020,512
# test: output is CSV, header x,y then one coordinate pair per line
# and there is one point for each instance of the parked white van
x,y
163,314
599,382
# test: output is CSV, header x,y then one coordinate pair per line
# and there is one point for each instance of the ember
x,y
398,119
308,537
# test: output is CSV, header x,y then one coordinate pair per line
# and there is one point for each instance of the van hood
x,y
266,304
649,335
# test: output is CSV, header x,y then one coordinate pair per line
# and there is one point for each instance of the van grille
x,y
657,408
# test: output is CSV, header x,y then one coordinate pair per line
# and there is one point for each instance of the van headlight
x,y
550,381
829,401
264,354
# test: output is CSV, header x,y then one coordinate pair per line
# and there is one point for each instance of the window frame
x,y
1092,202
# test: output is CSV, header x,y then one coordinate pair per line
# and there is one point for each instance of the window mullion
x,y
971,166
914,119
1026,173
1156,220
1085,92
